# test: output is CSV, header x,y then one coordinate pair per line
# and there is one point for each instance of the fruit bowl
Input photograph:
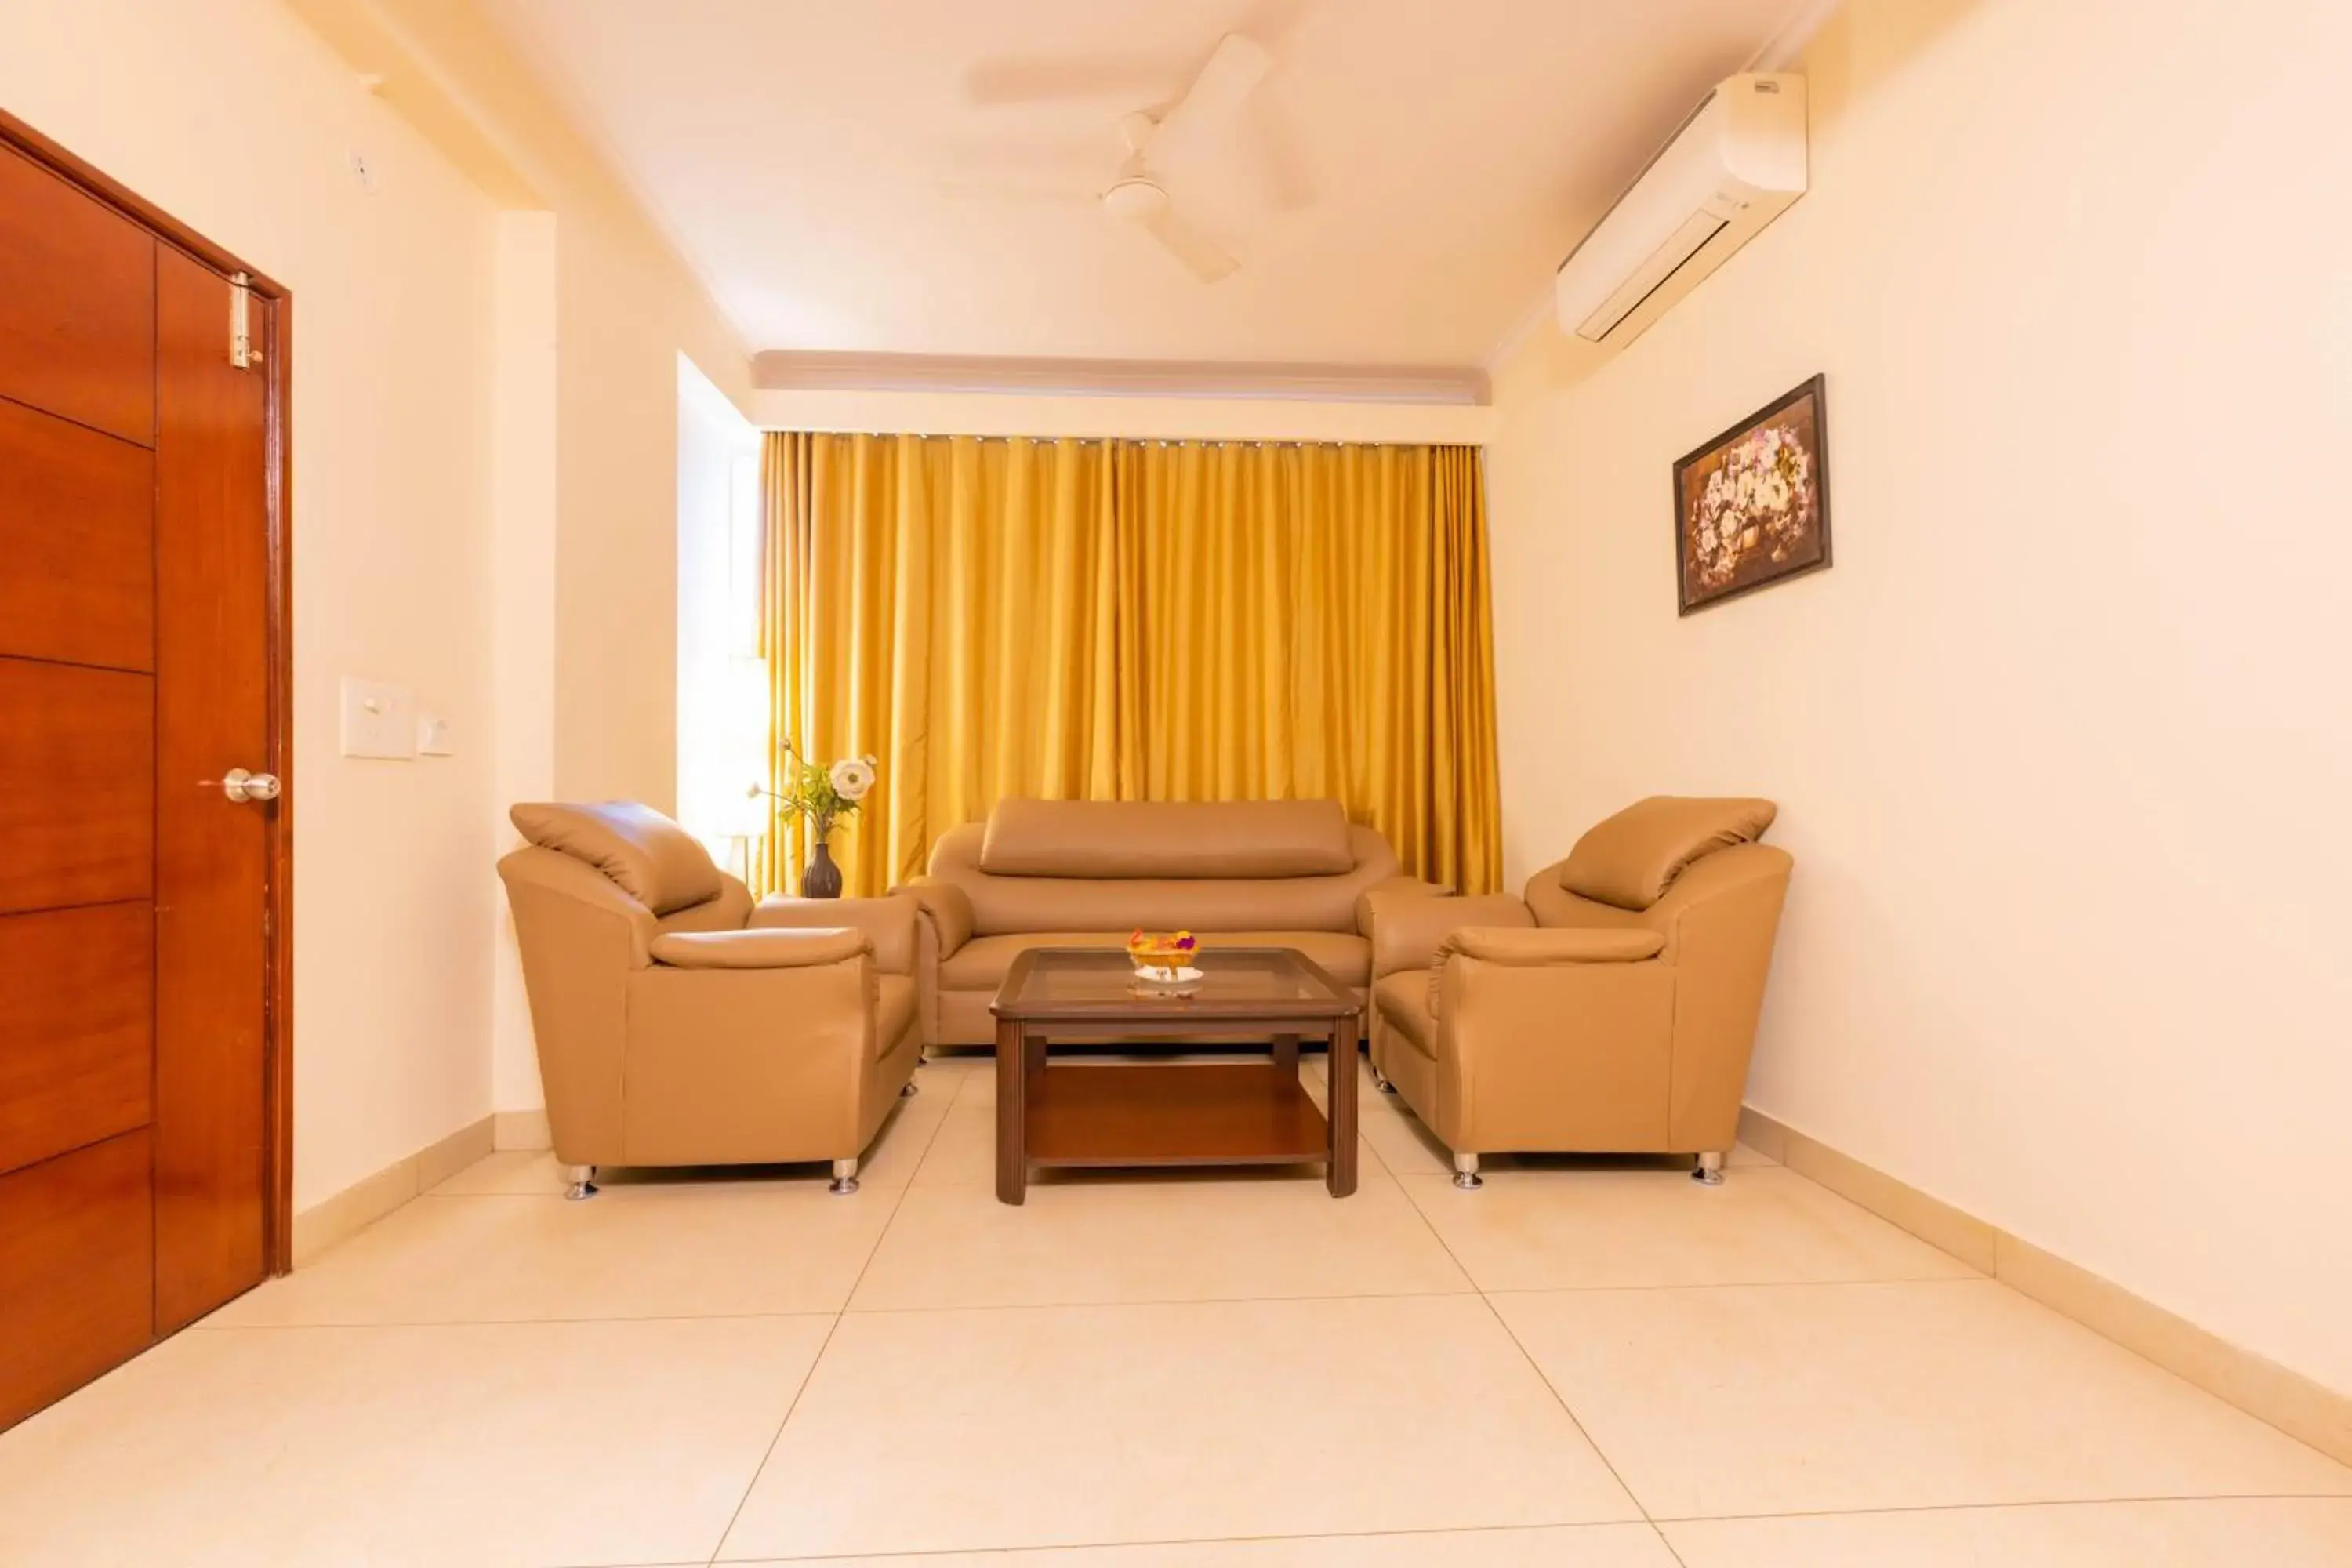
x,y
1165,958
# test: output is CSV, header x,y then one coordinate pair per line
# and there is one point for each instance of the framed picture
x,y
1752,505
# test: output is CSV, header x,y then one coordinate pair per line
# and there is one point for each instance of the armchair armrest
x,y
1554,945
1394,888
760,949
1406,928
947,906
888,922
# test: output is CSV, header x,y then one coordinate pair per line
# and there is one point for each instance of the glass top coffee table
x,y
1170,1113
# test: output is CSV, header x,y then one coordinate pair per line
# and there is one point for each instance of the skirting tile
x,y
371,1198
2253,1382
1932,1220
436,1164
523,1130
1763,1134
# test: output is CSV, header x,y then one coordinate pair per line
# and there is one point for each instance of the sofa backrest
x,y
1139,839
1207,867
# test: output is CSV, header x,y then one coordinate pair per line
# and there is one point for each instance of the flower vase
x,y
822,878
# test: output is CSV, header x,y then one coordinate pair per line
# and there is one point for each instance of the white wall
x,y
625,307
587,445
233,118
527,346
2062,738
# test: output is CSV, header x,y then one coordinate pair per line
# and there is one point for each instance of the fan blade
x,y
1190,246
1217,94
1116,77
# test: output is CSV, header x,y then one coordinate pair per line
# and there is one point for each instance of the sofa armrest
x,y
1406,928
947,906
1553,945
760,949
1394,888
888,922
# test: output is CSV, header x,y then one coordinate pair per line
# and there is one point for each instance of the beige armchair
x,y
678,1023
1612,1010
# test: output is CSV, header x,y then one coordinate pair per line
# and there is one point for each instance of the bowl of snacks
x,y
1164,958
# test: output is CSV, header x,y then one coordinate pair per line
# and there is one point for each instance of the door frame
x,y
277,372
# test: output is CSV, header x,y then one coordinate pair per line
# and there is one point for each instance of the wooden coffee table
x,y
1170,1113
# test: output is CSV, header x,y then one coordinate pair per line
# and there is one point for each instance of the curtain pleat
x,y
1132,620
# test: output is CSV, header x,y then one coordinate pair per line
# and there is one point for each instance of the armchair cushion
x,y
1570,944
1403,1001
1406,928
760,949
947,906
1631,858
1540,950
894,1011
654,860
1397,887
888,923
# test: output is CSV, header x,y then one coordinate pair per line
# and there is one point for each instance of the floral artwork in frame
x,y
1752,505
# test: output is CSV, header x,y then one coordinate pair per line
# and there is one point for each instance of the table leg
x,y
1011,1112
1339,1098
1285,1053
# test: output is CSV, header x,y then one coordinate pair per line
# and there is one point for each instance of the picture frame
x,y
1752,505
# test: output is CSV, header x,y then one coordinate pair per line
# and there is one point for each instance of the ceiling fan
x,y
1138,194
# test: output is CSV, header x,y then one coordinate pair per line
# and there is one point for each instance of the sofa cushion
x,y
980,963
1135,838
1403,1000
1631,858
652,860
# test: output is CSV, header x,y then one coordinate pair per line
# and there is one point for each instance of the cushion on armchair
x,y
796,948
652,860
1631,858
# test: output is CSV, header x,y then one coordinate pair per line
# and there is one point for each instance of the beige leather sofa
x,y
1610,1010
1087,873
680,1025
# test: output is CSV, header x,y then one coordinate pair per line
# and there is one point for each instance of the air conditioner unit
x,y
1735,165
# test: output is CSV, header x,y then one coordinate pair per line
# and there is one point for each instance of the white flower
x,y
852,777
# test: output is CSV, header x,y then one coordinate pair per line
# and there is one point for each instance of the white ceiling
x,y
1448,155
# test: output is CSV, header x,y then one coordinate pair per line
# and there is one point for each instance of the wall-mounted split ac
x,y
1735,165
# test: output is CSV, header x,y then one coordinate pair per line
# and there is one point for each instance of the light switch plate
x,y
436,736
379,719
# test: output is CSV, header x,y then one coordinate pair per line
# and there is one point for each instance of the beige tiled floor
x,y
1596,1364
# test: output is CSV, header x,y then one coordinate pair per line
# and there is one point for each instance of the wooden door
x,y
211,853
141,1124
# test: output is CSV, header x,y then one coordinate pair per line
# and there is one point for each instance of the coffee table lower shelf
x,y
1252,1113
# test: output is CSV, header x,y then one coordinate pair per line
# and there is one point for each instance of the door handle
x,y
241,785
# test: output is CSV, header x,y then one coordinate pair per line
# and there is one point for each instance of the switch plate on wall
x,y
436,736
379,719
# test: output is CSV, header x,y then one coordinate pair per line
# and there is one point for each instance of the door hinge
x,y
241,351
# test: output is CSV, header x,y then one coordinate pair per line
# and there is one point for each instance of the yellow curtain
x,y
1133,620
